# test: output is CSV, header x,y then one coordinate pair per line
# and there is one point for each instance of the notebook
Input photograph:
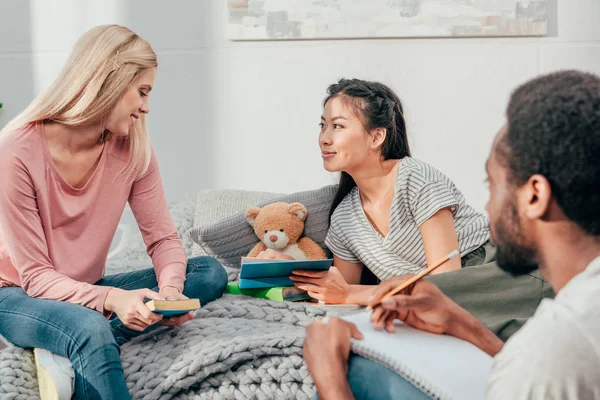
x,y
442,366
256,273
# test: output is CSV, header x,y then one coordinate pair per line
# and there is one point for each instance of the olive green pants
x,y
502,302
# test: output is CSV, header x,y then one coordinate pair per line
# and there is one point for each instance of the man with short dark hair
x,y
544,181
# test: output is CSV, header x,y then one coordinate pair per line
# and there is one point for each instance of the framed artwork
x,y
338,19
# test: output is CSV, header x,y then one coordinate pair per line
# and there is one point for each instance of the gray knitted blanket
x,y
236,348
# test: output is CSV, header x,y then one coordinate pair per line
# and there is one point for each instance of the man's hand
x,y
172,293
424,306
421,305
326,352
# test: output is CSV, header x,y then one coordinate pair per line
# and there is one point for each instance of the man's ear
x,y
251,214
298,209
538,196
378,136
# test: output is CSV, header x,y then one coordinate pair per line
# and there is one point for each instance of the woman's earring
x,y
103,136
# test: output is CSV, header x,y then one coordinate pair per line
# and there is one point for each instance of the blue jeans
x,y
370,380
86,337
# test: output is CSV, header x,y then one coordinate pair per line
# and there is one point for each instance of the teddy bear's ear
x,y
251,214
298,209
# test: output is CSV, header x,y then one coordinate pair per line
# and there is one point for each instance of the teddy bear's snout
x,y
274,239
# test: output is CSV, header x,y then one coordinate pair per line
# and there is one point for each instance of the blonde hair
x,y
104,63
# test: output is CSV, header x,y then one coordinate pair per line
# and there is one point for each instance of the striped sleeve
x,y
431,198
338,247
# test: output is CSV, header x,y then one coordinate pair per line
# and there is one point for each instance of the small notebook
x,y
442,366
171,308
256,273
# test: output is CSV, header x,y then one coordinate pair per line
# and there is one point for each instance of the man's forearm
x,y
333,385
465,326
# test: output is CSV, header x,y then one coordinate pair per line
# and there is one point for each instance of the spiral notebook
x,y
442,366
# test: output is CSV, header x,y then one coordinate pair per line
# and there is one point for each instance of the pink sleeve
x,y
149,206
26,242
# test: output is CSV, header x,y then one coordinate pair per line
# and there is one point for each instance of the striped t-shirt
x,y
420,192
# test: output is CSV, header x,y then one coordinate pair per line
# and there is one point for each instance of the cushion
x,y
215,205
231,238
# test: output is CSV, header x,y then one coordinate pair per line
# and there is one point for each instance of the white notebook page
x,y
443,366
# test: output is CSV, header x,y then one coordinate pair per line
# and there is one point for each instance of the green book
x,y
290,293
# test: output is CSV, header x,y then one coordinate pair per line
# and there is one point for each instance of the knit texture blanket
x,y
236,348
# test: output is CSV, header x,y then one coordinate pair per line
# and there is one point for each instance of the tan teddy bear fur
x,y
279,227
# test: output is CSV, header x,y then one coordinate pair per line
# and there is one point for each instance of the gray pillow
x,y
231,238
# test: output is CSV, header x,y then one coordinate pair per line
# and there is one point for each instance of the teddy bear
x,y
279,227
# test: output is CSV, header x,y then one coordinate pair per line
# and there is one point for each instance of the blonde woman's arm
x,y
149,205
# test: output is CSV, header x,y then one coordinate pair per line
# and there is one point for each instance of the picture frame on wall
x,y
340,19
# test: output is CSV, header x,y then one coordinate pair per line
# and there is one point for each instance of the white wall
x,y
245,114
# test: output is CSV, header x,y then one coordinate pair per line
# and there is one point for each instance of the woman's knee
x,y
208,273
211,267
219,276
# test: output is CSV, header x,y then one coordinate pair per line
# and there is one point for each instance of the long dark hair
x,y
377,106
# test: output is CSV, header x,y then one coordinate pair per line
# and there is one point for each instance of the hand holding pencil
x,y
415,278
417,302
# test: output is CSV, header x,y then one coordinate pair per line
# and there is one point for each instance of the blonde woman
x,y
68,165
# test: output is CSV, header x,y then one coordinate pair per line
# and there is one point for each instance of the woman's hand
x,y
270,254
327,286
171,293
130,308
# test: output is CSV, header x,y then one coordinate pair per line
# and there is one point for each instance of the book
x,y
442,366
171,308
275,293
256,273
265,283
